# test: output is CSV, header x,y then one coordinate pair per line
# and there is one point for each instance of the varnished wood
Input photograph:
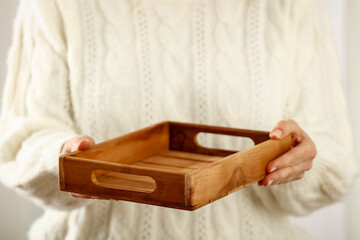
x,y
123,181
130,147
183,137
160,166
78,178
234,172
176,162
190,156
164,165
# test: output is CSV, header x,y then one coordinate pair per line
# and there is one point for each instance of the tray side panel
x,y
183,137
76,176
235,171
131,147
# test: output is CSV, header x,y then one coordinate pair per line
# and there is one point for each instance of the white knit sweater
x,y
108,67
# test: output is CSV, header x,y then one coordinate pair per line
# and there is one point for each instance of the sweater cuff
x,y
335,166
35,171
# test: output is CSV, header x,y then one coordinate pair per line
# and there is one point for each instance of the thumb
x,y
84,144
284,128
276,133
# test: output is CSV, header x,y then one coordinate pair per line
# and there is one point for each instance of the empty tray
x,y
164,165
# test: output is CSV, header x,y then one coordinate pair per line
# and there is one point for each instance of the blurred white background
x,y
339,221
16,213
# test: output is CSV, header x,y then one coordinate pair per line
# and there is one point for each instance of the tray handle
x,y
159,187
183,137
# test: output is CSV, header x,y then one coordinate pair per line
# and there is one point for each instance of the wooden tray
x,y
164,165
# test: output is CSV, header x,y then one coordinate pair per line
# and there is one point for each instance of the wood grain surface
x,y
164,165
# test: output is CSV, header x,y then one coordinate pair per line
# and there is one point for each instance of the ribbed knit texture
x,y
108,67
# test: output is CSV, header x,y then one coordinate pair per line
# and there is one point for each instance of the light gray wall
x,y
18,213
7,12
331,222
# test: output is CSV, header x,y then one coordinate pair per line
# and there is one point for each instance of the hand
x,y
293,164
81,142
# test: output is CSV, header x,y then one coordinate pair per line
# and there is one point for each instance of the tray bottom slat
x,y
165,167
181,162
190,156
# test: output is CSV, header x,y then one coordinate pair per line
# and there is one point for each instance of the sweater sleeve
x,y
317,102
36,114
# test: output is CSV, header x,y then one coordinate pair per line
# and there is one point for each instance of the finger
x,y
291,158
81,143
77,143
84,144
78,195
66,148
284,128
288,174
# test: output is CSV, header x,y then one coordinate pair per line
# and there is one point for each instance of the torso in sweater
x,y
227,63
208,62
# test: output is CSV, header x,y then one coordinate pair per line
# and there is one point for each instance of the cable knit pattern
x,y
201,90
108,67
146,109
119,63
230,44
174,36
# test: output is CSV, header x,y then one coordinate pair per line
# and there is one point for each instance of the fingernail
x,y
270,182
273,169
84,143
277,133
